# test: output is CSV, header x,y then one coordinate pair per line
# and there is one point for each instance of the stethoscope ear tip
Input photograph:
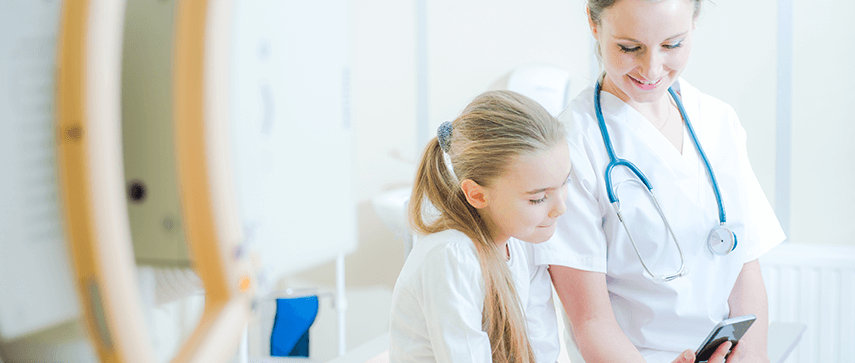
x,y
660,279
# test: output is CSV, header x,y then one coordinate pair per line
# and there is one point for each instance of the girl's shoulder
x,y
447,252
447,246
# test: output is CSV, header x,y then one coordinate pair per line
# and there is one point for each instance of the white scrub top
x,y
661,320
439,296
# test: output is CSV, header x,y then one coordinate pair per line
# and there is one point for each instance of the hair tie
x,y
443,135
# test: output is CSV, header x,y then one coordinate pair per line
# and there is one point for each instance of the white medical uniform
x,y
439,296
661,320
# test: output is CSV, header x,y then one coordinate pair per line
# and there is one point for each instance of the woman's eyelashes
x,y
633,49
627,49
672,46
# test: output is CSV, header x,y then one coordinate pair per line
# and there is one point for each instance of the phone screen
x,y
730,329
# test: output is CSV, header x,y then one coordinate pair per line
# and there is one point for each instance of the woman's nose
x,y
652,65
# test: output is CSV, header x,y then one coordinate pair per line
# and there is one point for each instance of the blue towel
x,y
290,337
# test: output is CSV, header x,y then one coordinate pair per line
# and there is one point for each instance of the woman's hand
x,y
718,356
686,357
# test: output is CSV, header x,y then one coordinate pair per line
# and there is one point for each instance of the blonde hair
x,y
596,8
495,128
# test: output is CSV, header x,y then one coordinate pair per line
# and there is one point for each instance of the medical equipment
x,y
720,240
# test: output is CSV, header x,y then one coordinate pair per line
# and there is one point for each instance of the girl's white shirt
x,y
438,299
664,319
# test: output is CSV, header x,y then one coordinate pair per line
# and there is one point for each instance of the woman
x,y
630,304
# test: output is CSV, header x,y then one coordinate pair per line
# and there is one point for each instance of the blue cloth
x,y
290,336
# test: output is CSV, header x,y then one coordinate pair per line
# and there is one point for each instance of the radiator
x,y
814,285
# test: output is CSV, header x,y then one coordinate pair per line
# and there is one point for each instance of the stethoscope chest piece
x,y
721,241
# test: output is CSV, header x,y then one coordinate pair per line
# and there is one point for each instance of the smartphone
x,y
729,329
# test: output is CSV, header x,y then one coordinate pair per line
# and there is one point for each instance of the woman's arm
x,y
599,338
586,301
749,297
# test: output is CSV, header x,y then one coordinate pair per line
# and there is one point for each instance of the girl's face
x,y
645,46
526,201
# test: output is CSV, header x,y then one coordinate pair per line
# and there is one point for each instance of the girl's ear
x,y
475,194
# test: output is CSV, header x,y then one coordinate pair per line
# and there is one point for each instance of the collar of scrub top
x,y
719,236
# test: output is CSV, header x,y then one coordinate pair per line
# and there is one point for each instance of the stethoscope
x,y
720,241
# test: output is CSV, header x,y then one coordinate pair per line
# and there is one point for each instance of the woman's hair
x,y
494,129
597,7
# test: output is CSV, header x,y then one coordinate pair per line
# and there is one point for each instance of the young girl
x,y
469,291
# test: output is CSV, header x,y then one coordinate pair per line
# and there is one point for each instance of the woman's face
x,y
645,46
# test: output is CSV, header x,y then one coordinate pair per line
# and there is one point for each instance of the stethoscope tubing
x,y
713,180
615,161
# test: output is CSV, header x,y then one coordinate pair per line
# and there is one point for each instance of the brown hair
x,y
494,128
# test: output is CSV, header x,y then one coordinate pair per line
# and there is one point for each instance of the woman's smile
x,y
645,85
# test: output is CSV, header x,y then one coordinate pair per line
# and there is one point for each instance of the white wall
x,y
383,93
733,59
472,43
823,122
383,115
